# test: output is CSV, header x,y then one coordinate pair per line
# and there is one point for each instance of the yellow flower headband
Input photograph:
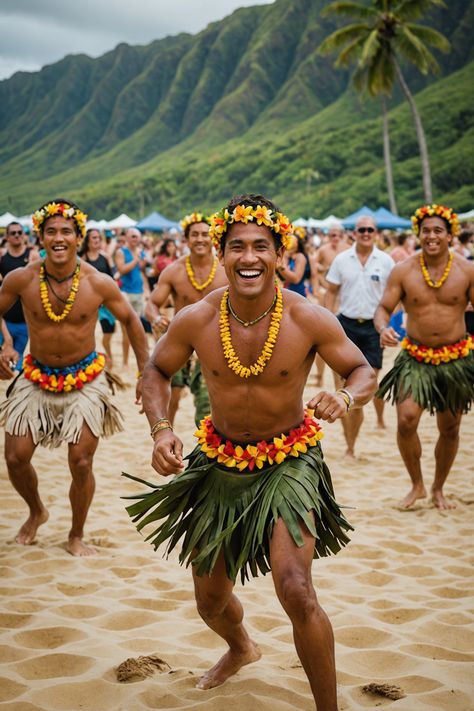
x,y
63,209
192,218
276,221
435,211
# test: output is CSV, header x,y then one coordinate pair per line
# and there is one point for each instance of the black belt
x,y
358,320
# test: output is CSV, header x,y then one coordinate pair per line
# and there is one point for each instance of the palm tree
x,y
384,33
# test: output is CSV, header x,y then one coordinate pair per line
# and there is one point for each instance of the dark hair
x,y
464,236
250,200
402,238
85,245
446,222
10,224
164,246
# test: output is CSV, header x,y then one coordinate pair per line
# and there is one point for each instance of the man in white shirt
x,y
358,277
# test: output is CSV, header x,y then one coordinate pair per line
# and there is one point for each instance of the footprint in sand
x,y
79,589
452,593
125,573
127,620
265,623
95,694
11,620
446,636
375,663
151,604
375,578
48,637
24,606
10,689
10,653
360,637
399,615
79,611
51,666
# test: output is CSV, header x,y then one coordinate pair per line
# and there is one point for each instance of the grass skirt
x,y
215,507
447,386
53,418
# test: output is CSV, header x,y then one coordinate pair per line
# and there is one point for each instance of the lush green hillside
x,y
247,104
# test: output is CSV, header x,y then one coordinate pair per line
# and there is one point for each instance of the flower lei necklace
x,y
70,299
426,274
192,278
226,339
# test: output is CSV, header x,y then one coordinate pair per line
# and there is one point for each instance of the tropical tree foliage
x,y
384,34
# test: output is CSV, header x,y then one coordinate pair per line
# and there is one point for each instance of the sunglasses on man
x,y
15,233
363,230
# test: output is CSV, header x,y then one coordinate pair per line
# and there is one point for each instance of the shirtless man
x,y
62,394
434,287
280,513
321,262
187,281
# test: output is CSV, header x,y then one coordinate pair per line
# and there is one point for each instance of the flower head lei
x,y
261,215
193,218
62,209
435,210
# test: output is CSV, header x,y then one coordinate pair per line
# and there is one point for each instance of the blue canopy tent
x,y
349,222
384,219
154,222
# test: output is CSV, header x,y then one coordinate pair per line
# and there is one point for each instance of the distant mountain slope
x,y
245,104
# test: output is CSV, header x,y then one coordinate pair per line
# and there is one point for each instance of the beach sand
x,y
399,596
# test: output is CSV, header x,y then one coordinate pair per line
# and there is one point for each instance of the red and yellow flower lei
x,y
57,382
436,356
63,209
256,456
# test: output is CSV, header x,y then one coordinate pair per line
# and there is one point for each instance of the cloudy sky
x,y
39,32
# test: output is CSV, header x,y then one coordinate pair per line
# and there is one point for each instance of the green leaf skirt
x,y
212,507
447,386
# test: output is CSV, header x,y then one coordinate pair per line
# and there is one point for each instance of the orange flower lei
x,y
436,356
435,210
69,301
63,209
256,456
276,221
192,218
57,380
444,276
192,278
226,339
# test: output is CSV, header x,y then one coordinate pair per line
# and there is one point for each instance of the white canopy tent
x,y
466,215
122,222
97,225
300,222
6,218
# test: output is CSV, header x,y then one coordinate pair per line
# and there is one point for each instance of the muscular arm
x,y
294,276
330,298
391,297
170,354
114,300
158,297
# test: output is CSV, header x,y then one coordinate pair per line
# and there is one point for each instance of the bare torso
x,y
183,292
435,317
66,342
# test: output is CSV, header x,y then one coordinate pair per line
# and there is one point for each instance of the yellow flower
x,y
243,213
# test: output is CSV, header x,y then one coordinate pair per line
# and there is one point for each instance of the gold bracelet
x,y
139,374
162,424
347,397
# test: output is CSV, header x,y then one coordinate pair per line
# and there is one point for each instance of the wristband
x,y
382,330
162,424
348,397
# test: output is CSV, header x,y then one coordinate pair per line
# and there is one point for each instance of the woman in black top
x,y
91,252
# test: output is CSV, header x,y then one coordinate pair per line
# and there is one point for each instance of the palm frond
x,y
415,52
370,48
351,9
432,37
341,37
407,10
350,53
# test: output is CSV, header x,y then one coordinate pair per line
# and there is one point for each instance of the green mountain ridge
x,y
245,105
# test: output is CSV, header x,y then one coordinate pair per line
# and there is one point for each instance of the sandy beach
x,y
399,596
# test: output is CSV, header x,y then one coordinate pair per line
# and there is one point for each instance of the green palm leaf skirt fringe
x,y
447,386
213,507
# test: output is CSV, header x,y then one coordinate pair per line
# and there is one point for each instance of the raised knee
x,y
210,605
297,596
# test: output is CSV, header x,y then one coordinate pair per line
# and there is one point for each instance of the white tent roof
x,y
330,221
466,215
300,222
26,220
6,218
97,224
121,222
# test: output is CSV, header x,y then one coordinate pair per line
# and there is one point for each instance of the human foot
x,y
440,501
76,546
412,496
228,665
26,534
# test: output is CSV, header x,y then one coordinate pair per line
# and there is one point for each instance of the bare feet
x,y
380,425
76,546
228,665
440,501
26,534
417,492
350,454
